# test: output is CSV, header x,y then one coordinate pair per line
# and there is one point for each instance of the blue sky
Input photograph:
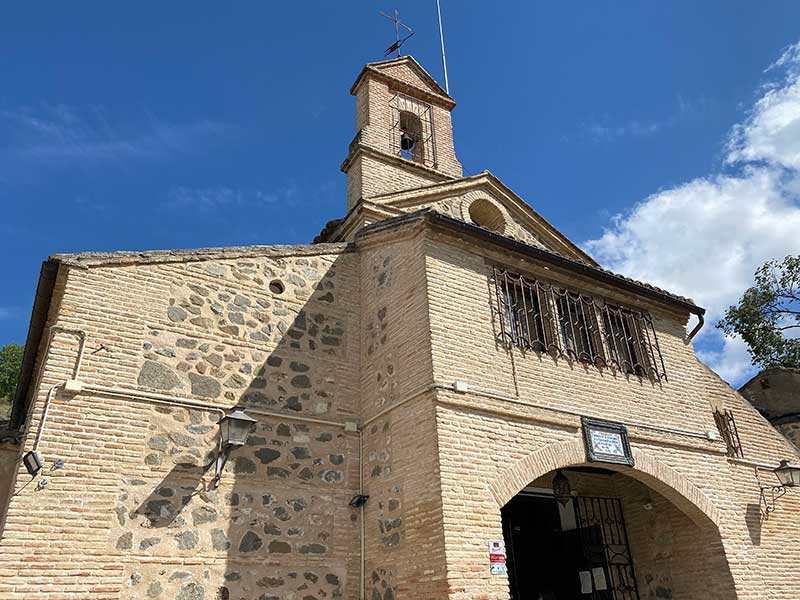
x,y
166,125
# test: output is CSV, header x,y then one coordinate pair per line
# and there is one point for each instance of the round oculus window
x,y
276,286
484,213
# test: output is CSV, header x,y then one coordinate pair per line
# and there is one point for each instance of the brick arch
x,y
662,478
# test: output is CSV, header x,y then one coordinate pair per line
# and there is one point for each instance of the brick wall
x,y
376,335
381,173
131,514
519,421
405,557
381,176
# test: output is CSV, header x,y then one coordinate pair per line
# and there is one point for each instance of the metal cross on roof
x,y
399,41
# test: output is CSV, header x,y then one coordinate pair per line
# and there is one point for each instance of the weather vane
x,y
399,40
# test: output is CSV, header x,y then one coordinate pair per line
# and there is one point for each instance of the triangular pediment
x,y
405,72
485,201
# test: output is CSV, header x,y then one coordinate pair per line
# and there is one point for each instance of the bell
x,y
407,142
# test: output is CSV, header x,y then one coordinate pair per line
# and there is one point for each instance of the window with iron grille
x,y
628,340
542,317
726,425
578,327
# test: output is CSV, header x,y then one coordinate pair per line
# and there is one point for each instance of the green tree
x,y
10,364
767,316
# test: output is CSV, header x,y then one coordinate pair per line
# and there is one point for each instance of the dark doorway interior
x,y
543,560
576,552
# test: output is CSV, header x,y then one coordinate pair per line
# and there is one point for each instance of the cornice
x,y
359,149
372,70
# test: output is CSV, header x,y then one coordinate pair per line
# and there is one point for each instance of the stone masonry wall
x,y
461,279
400,470
513,412
791,431
131,515
376,336
458,205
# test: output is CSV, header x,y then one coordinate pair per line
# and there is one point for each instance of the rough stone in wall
x,y
301,277
457,208
221,340
239,375
378,461
791,431
386,493
382,586
390,519
178,518
382,359
382,271
176,515
259,319
179,437
232,582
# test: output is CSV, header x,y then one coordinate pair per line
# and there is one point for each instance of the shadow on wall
x,y
754,518
166,502
279,524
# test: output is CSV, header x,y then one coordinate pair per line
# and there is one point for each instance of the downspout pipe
x,y
700,322
76,371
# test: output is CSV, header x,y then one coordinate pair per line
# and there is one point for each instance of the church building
x,y
441,397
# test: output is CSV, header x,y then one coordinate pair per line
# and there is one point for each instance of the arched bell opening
x,y
600,534
411,137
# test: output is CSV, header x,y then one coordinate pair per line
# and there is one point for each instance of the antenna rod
x,y
441,39
397,31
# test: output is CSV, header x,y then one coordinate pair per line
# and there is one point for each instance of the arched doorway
x,y
613,537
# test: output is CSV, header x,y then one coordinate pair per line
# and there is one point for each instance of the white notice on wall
x,y
607,442
599,575
497,557
497,547
586,582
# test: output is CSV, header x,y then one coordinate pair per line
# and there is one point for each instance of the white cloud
x,y
731,361
705,238
210,199
772,132
604,130
6,312
65,136
608,129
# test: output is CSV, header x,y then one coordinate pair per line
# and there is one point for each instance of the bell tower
x,y
404,134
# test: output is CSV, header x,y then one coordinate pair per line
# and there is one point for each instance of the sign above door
x,y
606,441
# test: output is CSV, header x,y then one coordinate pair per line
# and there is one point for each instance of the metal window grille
x,y
729,432
412,130
542,317
604,541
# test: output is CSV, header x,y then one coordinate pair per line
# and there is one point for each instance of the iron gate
x,y
607,554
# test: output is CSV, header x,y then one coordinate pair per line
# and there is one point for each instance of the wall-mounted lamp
x,y
788,477
562,490
233,431
33,462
